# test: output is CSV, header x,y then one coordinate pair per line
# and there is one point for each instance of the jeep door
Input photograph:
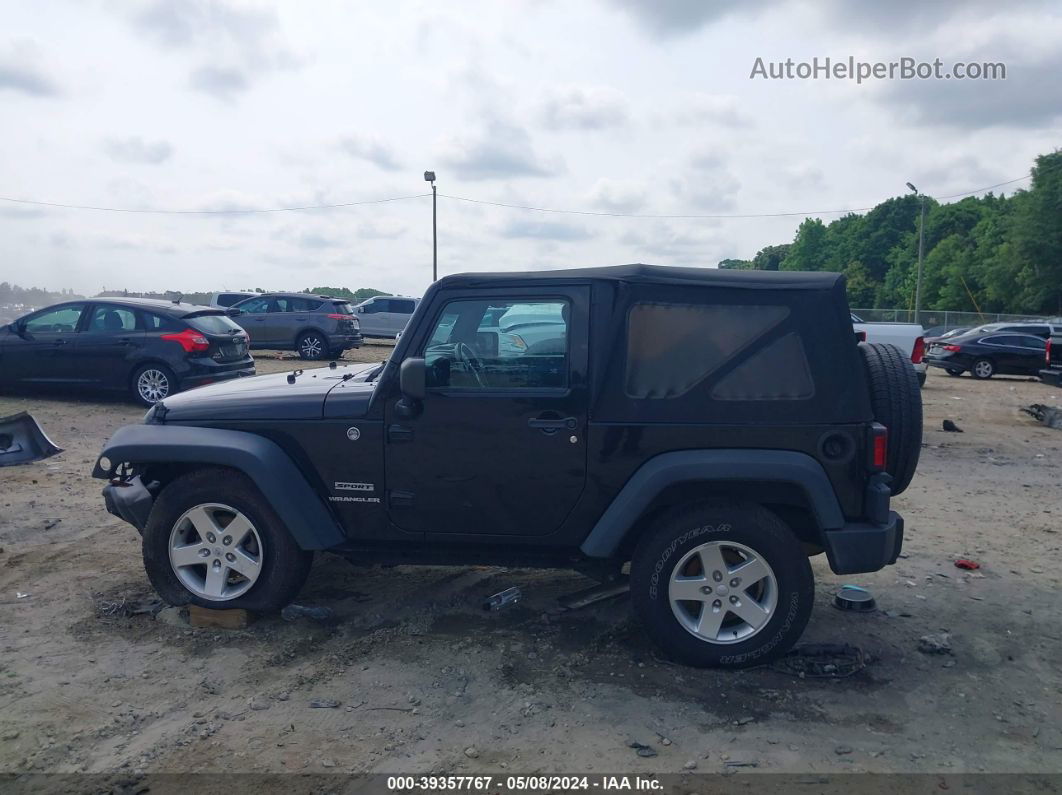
x,y
497,447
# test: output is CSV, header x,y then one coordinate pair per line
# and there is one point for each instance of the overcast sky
x,y
604,105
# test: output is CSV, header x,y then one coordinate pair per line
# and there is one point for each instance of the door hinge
x,y
400,499
399,433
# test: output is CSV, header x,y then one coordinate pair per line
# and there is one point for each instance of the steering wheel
x,y
475,366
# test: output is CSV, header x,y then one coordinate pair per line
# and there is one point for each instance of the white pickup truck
x,y
905,336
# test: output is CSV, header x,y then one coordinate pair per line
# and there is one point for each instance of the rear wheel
x,y
152,383
212,540
983,369
896,400
312,345
722,585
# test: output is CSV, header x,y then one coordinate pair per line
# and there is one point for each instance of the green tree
x,y
809,251
1036,234
770,258
861,287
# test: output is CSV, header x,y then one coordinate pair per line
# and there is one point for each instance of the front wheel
x,y
152,383
213,540
983,368
312,346
722,585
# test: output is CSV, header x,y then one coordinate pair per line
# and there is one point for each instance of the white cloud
x,y
584,108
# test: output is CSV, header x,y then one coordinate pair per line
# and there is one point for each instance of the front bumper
x,y
1052,376
858,548
130,501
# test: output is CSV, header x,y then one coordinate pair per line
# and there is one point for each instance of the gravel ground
x,y
423,680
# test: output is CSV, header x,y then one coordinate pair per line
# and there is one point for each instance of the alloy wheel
x,y
153,385
311,347
723,592
216,552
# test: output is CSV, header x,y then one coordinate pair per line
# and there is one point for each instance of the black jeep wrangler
x,y
713,429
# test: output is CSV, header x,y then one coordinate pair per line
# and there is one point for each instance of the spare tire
x,y
897,404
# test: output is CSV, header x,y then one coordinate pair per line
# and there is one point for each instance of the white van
x,y
385,315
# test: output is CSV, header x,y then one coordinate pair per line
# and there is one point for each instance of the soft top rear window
x,y
672,347
212,324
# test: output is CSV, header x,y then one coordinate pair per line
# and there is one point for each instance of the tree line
x,y
986,254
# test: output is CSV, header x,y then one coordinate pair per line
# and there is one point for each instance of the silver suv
x,y
385,315
317,326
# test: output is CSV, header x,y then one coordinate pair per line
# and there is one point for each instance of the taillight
x,y
861,336
952,348
919,350
340,317
879,446
189,339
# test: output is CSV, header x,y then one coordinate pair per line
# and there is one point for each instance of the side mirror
x,y
19,327
412,379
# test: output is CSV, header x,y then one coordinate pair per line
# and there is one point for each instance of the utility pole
x,y
921,250
429,176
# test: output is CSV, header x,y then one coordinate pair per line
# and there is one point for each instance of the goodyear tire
x,y
722,585
214,541
896,400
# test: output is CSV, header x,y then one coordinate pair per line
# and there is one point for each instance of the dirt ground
x,y
426,681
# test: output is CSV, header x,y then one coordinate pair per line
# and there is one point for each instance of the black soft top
x,y
638,273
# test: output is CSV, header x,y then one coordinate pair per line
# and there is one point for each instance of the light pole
x,y
921,248
429,176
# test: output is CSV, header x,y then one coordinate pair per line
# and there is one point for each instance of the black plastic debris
x,y
293,612
1051,416
822,661
22,441
499,600
951,427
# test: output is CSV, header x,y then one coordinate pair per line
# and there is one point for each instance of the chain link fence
x,y
933,317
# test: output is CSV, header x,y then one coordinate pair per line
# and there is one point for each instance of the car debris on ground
x,y
23,441
1051,416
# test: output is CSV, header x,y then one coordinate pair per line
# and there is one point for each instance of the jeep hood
x,y
278,396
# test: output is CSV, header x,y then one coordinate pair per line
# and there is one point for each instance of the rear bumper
x,y
345,341
208,371
945,364
1051,376
858,548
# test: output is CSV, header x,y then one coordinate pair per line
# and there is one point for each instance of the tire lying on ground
x,y
897,404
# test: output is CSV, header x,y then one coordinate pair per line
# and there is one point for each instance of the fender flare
x,y
282,485
656,474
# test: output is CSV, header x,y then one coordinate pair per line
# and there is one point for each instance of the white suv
x,y
385,315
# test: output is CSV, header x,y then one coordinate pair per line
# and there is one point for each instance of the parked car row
x,y
154,348
993,349
146,347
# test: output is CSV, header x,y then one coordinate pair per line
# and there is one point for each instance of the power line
x,y
234,211
530,208
707,216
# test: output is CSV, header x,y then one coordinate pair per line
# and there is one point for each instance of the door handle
x,y
60,342
550,425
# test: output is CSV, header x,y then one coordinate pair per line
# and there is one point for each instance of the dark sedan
x,y
987,354
148,348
